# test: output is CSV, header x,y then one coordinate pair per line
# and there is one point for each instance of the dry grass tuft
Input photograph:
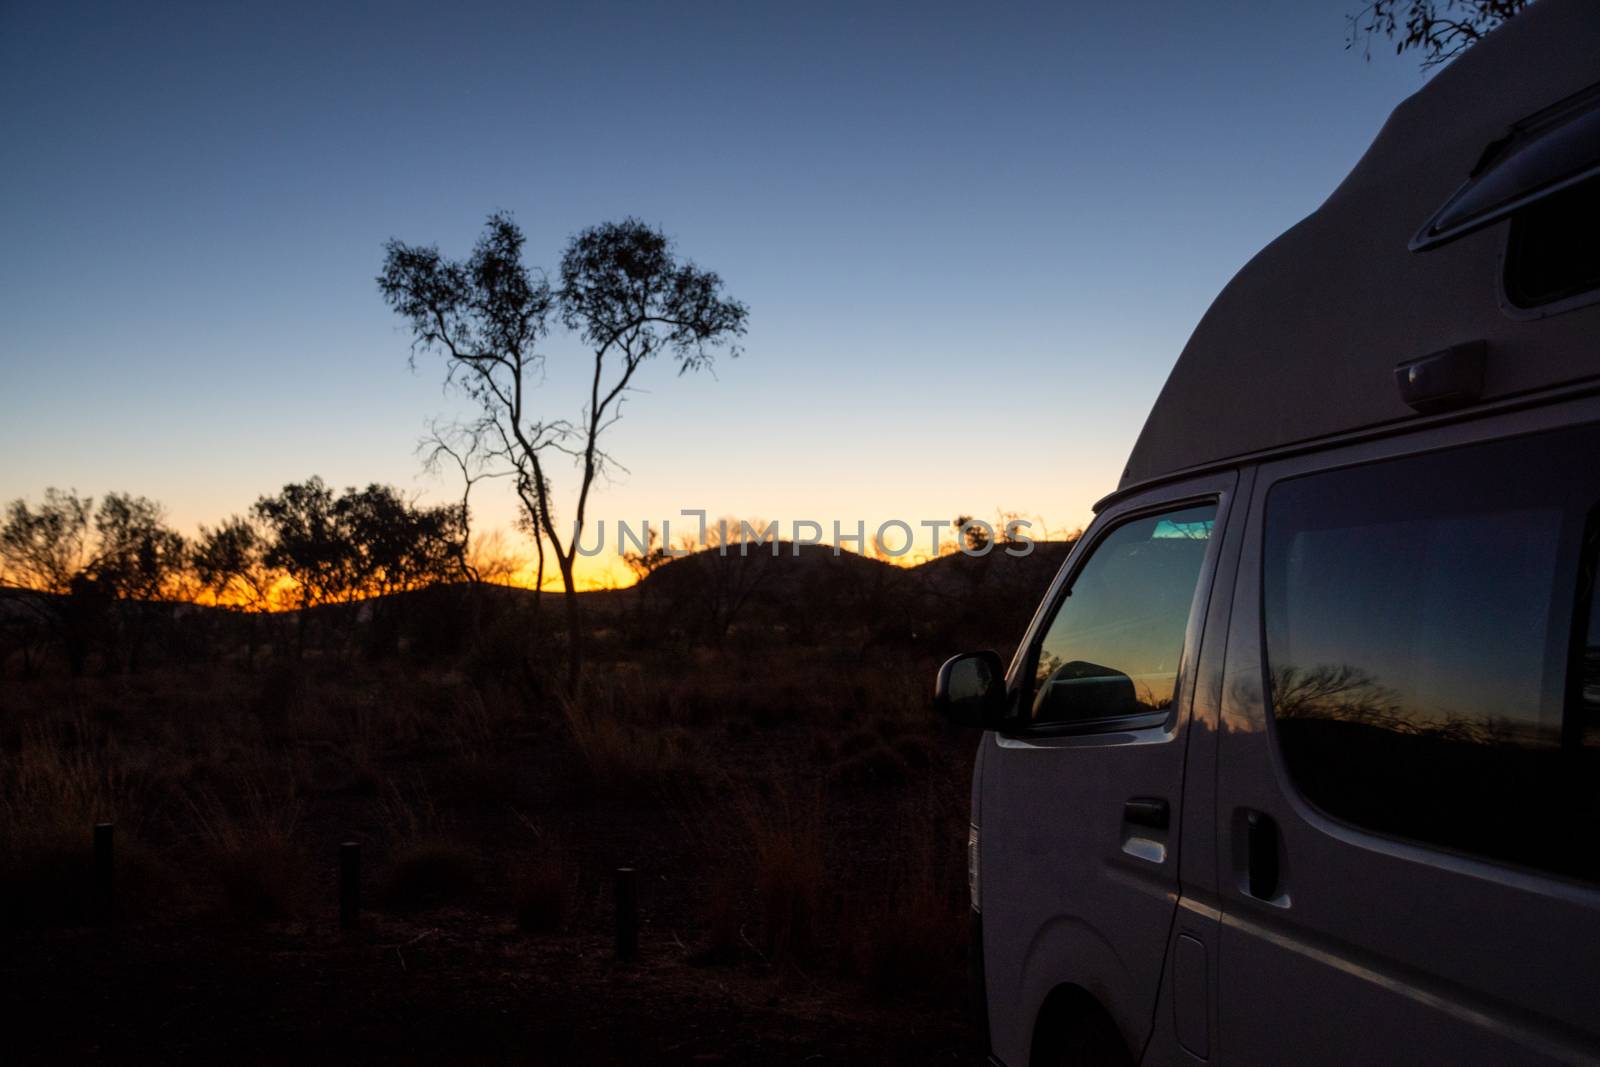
x,y
265,878
913,929
626,761
428,866
790,870
261,871
62,778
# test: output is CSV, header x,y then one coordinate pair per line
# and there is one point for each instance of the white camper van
x,y
1299,759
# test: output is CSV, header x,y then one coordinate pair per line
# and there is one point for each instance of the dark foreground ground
x,y
450,986
796,817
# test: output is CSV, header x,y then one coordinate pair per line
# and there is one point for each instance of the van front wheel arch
x,y
1074,1030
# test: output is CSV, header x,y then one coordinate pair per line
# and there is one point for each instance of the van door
x,y
1409,762
1081,800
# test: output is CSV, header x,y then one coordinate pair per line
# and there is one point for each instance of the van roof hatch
x,y
1541,155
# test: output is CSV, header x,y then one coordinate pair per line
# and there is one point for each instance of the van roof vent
x,y
1541,155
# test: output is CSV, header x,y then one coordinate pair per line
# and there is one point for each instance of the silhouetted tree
x,y
494,560
645,563
138,556
622,289
975,534
1013,526
305,542
140,559
486,316
395,546
625,291
44,548
229,563
462,448
366,542
458,447
1439,29
132,556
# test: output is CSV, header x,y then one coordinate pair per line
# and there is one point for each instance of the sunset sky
x,y
973,238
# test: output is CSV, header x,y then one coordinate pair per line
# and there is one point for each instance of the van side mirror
x,y
971,690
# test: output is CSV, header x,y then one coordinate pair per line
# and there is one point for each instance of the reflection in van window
x,y
1114,645
1430,678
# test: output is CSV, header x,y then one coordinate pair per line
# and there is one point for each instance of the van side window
x,y
1553,250
1433,647
1113,647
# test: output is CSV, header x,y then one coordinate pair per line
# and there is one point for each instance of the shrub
x,y
261,871
263,876
53,789
428,866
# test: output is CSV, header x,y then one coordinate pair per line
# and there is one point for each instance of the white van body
x,y
1328,790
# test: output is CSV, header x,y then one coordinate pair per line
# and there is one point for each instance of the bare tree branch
x,y
1440,29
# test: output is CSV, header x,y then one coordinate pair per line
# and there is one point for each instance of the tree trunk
x,y
574,621
538,577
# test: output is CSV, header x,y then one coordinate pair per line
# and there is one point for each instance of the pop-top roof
x,y
1303,342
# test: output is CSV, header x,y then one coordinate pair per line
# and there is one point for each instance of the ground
x,y
452,985
796,816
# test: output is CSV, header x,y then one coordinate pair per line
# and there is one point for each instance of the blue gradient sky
x,y
973,239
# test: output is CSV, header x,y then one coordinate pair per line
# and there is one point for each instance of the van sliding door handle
x,y
1151,812
1261,849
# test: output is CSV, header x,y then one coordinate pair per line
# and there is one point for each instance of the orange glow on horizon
x,y
503,566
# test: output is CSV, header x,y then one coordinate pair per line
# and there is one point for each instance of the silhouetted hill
x,y
813,596
953,598
958,574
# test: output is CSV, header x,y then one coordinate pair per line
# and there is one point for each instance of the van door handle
x,y
1151,812
1261,850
